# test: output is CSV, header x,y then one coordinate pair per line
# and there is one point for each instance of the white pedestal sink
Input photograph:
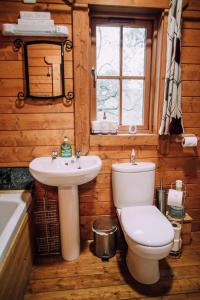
x,y
67,174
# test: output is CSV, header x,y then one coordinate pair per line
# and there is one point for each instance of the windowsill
x,y
138,139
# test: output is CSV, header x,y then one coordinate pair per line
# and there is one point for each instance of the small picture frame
x,y
132,129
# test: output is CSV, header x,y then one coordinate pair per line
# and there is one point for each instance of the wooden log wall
x,y
36,128
172,163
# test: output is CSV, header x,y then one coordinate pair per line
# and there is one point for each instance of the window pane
x,y
132,102
107,50
108,99
134,40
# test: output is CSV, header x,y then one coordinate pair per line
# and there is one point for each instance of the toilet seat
x,y
146,226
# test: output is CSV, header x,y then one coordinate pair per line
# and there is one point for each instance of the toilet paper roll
x,y
105,126
113,127
175,198
176,245
177,230
190,141
96,126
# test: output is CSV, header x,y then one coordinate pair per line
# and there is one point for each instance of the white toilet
x,y
147,231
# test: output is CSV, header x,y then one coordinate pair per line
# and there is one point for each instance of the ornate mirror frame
x,y
65,45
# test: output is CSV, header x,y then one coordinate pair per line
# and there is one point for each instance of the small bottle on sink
x,y
66,148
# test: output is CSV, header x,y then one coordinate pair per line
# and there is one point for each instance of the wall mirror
x,y
44,69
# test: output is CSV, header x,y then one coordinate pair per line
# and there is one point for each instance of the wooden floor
x,y
90,278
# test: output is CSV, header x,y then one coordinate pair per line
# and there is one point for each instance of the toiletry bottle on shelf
x,y
66,148
133,157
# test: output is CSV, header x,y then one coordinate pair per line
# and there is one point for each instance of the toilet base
x,y
143,270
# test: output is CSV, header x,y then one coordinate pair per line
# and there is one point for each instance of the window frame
x,y
126,22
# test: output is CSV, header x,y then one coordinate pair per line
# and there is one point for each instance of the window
x,y
121,64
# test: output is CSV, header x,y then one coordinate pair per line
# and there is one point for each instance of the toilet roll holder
x,y
182,189
176,216
177,212
180,138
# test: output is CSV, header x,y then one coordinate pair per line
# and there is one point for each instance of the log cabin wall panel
x,y
36,129
39,126
191,107
179,163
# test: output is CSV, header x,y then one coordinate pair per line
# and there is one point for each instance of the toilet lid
x,y
147,226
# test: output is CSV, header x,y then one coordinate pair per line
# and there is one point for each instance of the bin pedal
x,y
105,257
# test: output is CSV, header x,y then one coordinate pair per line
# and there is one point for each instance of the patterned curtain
x,y
172,115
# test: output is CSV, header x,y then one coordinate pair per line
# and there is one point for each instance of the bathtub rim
x,y
23,197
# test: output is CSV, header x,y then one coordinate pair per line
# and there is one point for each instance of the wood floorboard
x,y
90,278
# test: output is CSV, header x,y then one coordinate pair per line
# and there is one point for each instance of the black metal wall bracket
x,y
68,45
67,99
18,43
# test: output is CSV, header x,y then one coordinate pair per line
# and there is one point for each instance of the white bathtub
x,y
12,209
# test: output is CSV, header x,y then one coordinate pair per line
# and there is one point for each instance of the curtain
x,y
171,122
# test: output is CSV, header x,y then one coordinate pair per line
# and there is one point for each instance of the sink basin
x,y
67,174
65,171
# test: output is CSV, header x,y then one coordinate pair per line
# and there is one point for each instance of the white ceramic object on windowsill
x,y
132,129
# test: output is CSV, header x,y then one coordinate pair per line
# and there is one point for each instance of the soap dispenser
x,y
66,148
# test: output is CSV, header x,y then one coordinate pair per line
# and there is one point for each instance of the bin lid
x,y
104,225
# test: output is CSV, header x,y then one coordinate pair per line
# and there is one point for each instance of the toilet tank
x,y
133,184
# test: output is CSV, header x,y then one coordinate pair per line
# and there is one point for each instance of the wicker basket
x,y
46,217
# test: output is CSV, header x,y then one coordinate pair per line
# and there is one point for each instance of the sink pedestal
x,y
65,173
69,221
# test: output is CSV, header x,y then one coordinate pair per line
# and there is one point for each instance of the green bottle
x,y
66,148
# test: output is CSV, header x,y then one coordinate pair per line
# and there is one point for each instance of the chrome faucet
x,y
78,153
78,158
54,154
